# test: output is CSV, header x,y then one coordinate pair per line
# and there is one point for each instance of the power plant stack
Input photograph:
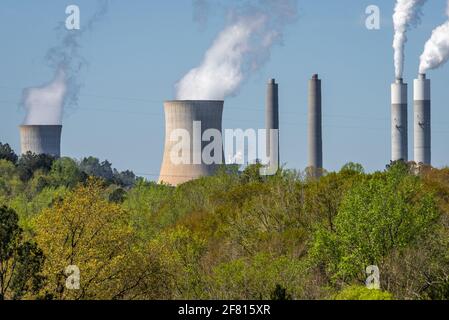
x,y
315,127
399,122
41,139
272,122
187,120
422,116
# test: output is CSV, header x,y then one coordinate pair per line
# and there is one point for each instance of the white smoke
x,y
240,49
407,14
45,104
436,50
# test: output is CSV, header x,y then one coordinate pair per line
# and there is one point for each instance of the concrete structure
x,y
41,139
422,118
315,127
399,122
272,122
189,119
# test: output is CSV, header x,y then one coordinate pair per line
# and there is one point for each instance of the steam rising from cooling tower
x,y
436,50
45,104
407,14
240,49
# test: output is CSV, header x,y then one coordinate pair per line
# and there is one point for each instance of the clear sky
x,y
143,47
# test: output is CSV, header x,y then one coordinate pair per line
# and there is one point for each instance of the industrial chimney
x,y
187,120
315,127
422,116
399,122
41,139
272,122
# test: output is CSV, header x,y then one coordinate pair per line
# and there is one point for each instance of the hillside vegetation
x,y
236,235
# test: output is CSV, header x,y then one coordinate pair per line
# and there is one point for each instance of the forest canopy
x,y
234,235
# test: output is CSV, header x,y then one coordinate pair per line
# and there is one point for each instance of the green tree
x,y
29,163
7,153
20,261
363,293
381,213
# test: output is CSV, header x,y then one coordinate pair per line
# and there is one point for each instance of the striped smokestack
x,y
272,121
422,116
399,123
315,127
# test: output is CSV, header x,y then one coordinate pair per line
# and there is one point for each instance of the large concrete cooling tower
x,y
315,127
189,119
422,116
399,123
41,139
272,122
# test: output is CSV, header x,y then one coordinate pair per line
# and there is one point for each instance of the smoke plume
x,y
45,104
240,49
407,14
436,50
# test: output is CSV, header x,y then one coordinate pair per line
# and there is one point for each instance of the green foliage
x,y
381,213
20,261
7,153
29,163
234,235
363,293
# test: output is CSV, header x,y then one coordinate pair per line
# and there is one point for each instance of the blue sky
x,y
144,47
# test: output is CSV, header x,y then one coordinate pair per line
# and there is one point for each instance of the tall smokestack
x,y
272,121
399,123
422,139
41,139
186,121
315,127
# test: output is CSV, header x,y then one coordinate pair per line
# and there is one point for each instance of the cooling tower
x,y
422,116
41,139
399,122
185,123
315,127
272,122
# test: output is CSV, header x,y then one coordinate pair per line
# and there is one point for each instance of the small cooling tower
x,y
422,116
41,139
399,123
189,119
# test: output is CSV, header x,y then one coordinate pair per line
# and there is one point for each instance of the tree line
x,y
235,235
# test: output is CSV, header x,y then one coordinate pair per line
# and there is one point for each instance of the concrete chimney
x,y
272,121
186,122
399,122
422,119
315,127
41,139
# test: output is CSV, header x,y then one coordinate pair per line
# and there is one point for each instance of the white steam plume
x,y
436,50
240,49
45,104
407,14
